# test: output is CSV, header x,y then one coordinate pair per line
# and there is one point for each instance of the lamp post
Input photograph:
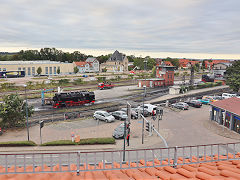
x,y
26,109
144,94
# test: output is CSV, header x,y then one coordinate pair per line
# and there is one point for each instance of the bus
x,y
12,74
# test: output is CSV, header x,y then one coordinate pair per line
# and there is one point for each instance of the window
x,y
50,70
29,71
46,70
55,70
4,69
0,69
33,71
24,69
19,69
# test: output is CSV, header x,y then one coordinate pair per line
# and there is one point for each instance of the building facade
x,y
30,67
164,76
90,65
118,62
227,113
219,70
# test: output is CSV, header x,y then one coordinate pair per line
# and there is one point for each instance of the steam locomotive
x,y
73,99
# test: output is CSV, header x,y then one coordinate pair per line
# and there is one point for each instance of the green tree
x,y
104,69
39,70
203,64
13,111
153,72
58,70
75,69
233,76
175,62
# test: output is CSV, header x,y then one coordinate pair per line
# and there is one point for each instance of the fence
x,y
113,160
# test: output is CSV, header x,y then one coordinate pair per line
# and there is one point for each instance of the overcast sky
x,y
209,28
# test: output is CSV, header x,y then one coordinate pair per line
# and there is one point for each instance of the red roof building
x,y
227,113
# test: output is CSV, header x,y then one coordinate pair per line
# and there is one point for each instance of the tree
x,y
153,72
104,69
233,76
39,70
203,64
13,111
75,69
58,70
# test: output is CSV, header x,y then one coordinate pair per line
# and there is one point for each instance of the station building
x,y
164,76
227,113
30,67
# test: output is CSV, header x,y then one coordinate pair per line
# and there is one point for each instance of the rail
x,y
112,160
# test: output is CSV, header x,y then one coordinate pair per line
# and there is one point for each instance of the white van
x,y
149,107
228,95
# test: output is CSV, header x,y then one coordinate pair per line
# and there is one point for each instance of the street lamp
x,y
144,94
25,86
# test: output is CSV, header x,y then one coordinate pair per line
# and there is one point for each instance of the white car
x,y
149,107
228,95
103,116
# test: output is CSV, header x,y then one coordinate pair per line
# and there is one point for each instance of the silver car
x,y
181,105
103,116
120,115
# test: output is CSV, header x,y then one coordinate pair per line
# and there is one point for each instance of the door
x,y
151,84
139,84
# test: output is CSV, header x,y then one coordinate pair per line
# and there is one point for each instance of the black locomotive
x,y
73,99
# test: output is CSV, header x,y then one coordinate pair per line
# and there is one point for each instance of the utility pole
x,y
192,76
26,110
144,94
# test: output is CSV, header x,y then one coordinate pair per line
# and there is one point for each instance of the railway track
x,y
53,115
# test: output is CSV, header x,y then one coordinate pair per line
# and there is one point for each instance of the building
x,y
164,76
209,64
93,65
90,65
118,62
30,67
219,70
227,113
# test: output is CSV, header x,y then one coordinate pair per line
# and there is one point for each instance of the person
x,y
128,138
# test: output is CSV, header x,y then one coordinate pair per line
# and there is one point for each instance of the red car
x,y
105,86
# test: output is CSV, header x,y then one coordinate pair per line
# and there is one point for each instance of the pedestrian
x,y
128,138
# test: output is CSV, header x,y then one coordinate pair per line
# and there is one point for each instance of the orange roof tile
x,y
81,64
212,170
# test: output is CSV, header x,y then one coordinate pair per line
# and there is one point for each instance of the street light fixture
x,y
25,86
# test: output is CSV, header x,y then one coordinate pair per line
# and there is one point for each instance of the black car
x,y
194,103
120,115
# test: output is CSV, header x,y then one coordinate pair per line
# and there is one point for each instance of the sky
x,y
156,28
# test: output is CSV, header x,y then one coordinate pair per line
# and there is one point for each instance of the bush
x,y
77,81
89,141
191,88
59,143
17,143
218,83
63,81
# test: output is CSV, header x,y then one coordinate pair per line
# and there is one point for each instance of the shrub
x,y
191,87
59,143
77,81
89,141
63,81
17,143
218,83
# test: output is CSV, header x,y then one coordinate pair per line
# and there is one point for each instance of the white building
x,y
90,65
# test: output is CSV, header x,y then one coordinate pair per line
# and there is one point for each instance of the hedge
x,y
17,143
89,141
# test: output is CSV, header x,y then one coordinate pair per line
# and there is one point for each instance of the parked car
x,y
120,115
210,98
228,95
194,103
204,101
149,107
103,116
217,98
181,105
134,114
141,111
118,132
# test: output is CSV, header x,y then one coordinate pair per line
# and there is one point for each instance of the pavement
x,y
192,92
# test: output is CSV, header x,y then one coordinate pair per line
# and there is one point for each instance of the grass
x,y
89,141
17,143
